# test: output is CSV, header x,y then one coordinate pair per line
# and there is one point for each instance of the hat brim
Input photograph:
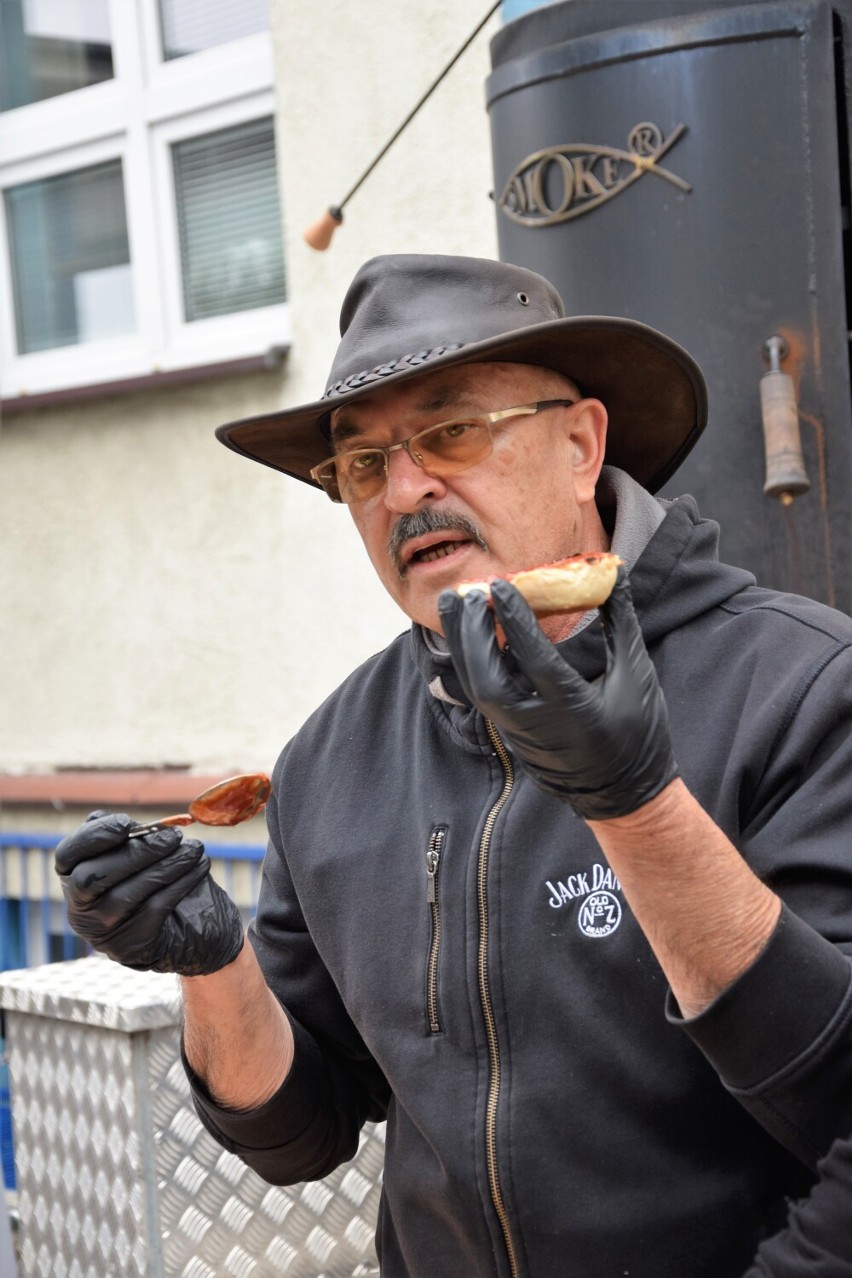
x,y
653,391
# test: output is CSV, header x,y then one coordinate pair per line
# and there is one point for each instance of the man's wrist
x,y
664,811
205,984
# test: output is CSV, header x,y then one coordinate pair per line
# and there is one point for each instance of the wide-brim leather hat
x,y
408,315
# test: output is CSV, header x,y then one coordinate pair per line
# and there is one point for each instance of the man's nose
x,y
408,484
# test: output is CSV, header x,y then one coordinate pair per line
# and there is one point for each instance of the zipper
x,y
433,861
485,999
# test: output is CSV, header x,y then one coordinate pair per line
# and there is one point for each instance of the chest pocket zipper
x,y
433,863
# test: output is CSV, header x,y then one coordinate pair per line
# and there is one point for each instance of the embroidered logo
x,y
600,910
563,182
600,914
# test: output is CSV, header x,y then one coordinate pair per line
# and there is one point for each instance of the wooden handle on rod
x,y
318,234
786,476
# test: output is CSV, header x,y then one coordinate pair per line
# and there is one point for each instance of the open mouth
x,y
427,536
440,550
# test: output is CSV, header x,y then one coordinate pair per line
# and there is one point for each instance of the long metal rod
x,y
338,208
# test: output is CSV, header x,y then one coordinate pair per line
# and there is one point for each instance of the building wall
x,y
166,603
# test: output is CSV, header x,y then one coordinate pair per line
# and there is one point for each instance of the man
x,y
583,947
818,1241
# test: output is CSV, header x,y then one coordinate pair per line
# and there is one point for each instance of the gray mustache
x,y
423,522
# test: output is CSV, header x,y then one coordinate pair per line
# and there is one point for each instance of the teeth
x,y
436,552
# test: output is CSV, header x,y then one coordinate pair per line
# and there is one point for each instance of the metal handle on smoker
x,y
786,477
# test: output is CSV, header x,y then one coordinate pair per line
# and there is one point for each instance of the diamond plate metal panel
x,y
77,1150
219,1220
93,991
116,1176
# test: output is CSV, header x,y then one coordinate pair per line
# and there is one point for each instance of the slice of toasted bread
x,y
569,585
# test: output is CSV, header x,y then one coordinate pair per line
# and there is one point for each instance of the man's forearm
x,y
236,1036
705,913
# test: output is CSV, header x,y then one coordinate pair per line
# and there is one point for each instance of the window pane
x,y
190,25
48,47
229,221
70,258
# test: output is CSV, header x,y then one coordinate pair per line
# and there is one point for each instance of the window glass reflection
x,y
50,47
70,258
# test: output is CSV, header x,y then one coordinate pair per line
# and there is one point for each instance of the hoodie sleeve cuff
x,y
786,1008
280,1121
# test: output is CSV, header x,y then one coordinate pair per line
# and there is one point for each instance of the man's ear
x,y
586,426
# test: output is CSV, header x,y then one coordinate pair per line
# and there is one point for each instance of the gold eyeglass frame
x,y
325,474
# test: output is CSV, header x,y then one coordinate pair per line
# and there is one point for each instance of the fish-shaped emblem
x,y
563,182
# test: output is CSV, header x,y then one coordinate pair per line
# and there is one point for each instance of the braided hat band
x,y
356,380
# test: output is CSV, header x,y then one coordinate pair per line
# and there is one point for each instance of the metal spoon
x,y
226,803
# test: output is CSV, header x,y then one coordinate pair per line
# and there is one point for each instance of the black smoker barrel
x,y
687,165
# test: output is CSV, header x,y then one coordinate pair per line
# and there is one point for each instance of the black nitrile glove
x,y
604,746
148,903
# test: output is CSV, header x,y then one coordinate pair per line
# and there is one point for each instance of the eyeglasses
x,y
441,450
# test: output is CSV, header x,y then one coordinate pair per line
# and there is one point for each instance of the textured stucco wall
x,y
164,601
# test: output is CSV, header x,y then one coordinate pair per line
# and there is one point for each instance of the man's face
x,y
530,502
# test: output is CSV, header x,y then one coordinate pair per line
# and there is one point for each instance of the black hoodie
x,y
818,1240
456,956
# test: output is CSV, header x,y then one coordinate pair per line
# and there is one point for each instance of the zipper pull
x,y
432,859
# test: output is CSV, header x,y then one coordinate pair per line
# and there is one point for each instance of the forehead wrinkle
x,y
438,399
476,387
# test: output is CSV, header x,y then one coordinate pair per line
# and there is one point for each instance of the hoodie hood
x,y
678,576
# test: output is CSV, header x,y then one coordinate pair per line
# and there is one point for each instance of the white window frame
x,y
135,118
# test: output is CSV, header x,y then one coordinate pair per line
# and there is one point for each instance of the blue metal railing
x,y
34,927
